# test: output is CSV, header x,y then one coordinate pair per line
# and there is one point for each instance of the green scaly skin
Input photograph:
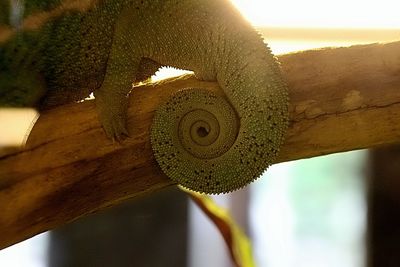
x,y
110,44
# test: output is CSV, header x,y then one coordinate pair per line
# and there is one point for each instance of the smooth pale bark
x,y
340,99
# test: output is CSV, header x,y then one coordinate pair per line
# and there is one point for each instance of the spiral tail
x,y
201,142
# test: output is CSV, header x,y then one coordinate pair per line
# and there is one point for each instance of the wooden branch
x,y
341,99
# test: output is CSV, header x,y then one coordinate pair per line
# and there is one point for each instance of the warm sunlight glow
x,y
321,13
15,124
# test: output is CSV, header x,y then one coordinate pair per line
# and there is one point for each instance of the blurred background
x,y
341,210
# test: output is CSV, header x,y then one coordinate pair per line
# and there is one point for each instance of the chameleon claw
x,y
117,132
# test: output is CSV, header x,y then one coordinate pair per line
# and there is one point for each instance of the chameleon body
x,y
62,50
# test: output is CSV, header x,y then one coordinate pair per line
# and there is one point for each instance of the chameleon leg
x,y
112,96
112,104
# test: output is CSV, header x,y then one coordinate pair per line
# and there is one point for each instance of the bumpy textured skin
x,y
65,49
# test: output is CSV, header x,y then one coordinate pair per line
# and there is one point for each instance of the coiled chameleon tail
x,y
207,145
217,144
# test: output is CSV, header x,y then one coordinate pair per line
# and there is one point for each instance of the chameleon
x,y
53,52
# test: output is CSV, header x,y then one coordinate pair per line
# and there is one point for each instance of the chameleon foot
x,y
112,117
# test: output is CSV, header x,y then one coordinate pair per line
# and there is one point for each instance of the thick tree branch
x,y
340,99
